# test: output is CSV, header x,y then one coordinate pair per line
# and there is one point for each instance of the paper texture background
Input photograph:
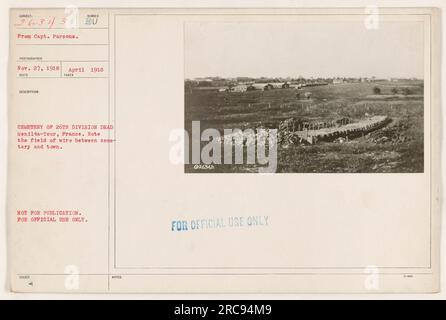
x,y
326,231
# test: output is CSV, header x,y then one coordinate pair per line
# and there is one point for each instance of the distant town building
x,y
260,86
207,89
239,88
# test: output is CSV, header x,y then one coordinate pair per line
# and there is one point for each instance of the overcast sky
x,y
290,49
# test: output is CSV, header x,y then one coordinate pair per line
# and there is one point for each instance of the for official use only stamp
x,y
220,223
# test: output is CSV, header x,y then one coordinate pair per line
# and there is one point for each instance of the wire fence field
x,y
395,147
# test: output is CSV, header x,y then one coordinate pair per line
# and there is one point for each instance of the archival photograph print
x,y
304,97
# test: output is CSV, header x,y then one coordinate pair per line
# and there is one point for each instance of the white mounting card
x,y
224,150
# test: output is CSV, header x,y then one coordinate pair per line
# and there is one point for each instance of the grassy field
x,y
398,147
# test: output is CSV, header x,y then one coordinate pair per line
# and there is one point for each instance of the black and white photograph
x,y
341,96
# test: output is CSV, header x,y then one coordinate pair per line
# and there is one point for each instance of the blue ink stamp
x,y
219,223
